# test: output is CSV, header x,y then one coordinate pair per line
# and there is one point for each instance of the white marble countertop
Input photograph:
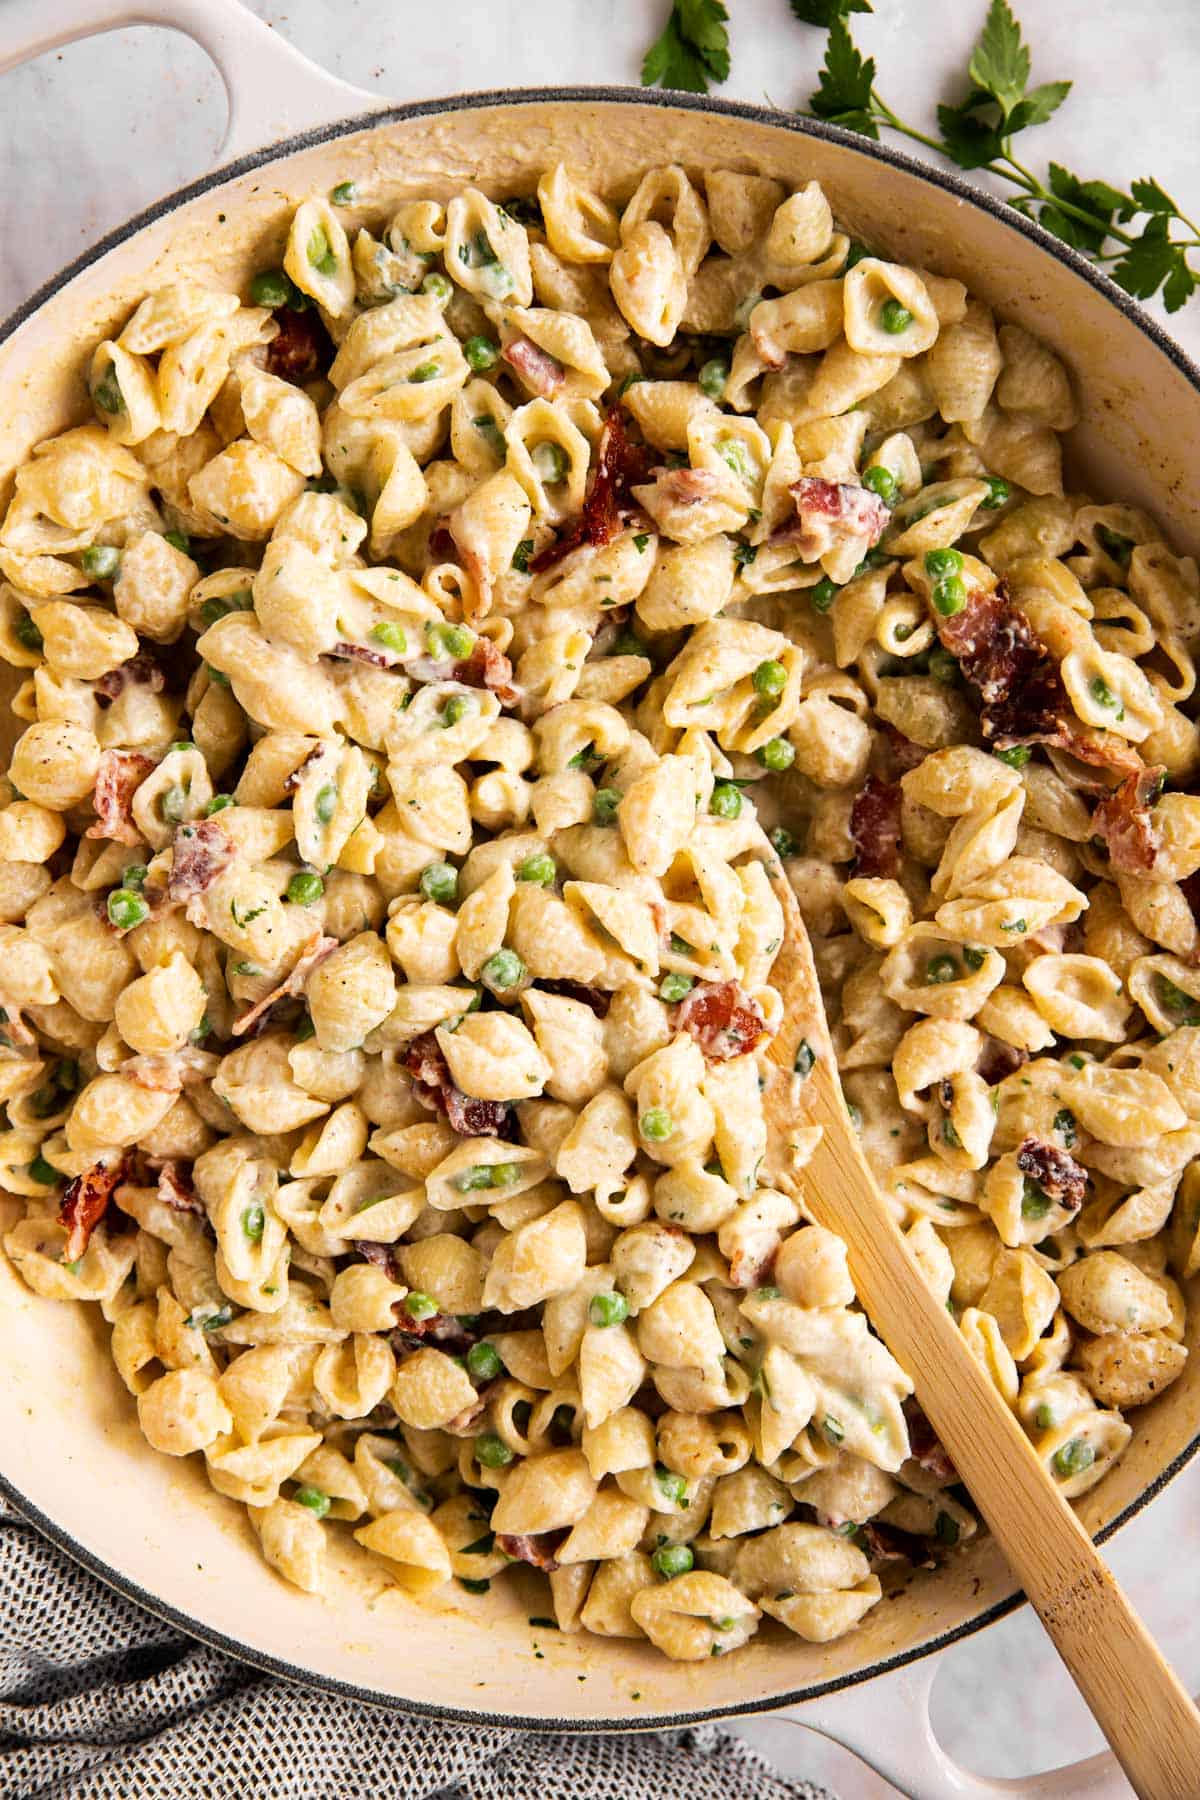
x,y
90,135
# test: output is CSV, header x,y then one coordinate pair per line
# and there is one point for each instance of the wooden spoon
x,y
1134,1696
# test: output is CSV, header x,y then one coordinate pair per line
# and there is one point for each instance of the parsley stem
x,y
888,117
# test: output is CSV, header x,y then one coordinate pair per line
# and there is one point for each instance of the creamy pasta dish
x,y
425,659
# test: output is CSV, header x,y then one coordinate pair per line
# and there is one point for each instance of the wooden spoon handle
x,y
1133,1694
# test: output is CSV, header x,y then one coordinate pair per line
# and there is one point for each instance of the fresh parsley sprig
x,y
1136,233
693,48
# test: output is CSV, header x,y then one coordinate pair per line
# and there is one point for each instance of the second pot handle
x,y
887,1723
273,90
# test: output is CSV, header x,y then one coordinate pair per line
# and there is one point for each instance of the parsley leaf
x,y
969,139
847,77
1037,106
1149,197
824,12
1095,197
1000,62
693,48
1154,262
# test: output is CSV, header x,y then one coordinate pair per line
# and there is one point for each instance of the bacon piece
x,y
202,851
875,828
887,1543
380,1255
120,775
538,1551
924,1446
434,1088
441,541
722,1018
901,754
85,1203
141,668
442,1329
378,659
316,949
167,1074
488,667
617,467
537,369
829,513
176,1191
997,1060
301,348
1058,1175
1124,821
596,998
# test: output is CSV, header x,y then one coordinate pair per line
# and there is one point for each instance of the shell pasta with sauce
x,y
422,657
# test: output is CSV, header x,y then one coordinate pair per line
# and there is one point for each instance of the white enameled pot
x,y
71,1455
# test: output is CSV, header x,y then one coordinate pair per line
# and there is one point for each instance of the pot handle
x,y
888,1725
273,91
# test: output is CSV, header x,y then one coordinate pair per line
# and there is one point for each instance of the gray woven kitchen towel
x,y
101,1701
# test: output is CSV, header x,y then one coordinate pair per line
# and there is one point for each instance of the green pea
x,y
776,754
540,868
1118,546
943,562
823,594
26,632
945,1529
521,556
271,287
949,596
503,972
100,561
605,804
854,255
805,1058
1015,757
173,804
997,494
426,371
941,969
1103,695
608,1309
726,802
457,707
769,679
656,1125
628,644
320,252
313,1499
942,666
833,1429
419,1305
126,909
344,194
506,1175
1035,1202
107,392
305,1030
675,987
974,959
178,540
219,803
670,1560
672,1485
218,677
325,804
439,287
713,376
390,635
744,554
881,482
550,463
469,1180
894,317
1064,1125
782,842
1073,1458
1174,999
135,877
254,1221
483,1361
481,354
439,882
305,888
212,610
491,1451
42,1171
